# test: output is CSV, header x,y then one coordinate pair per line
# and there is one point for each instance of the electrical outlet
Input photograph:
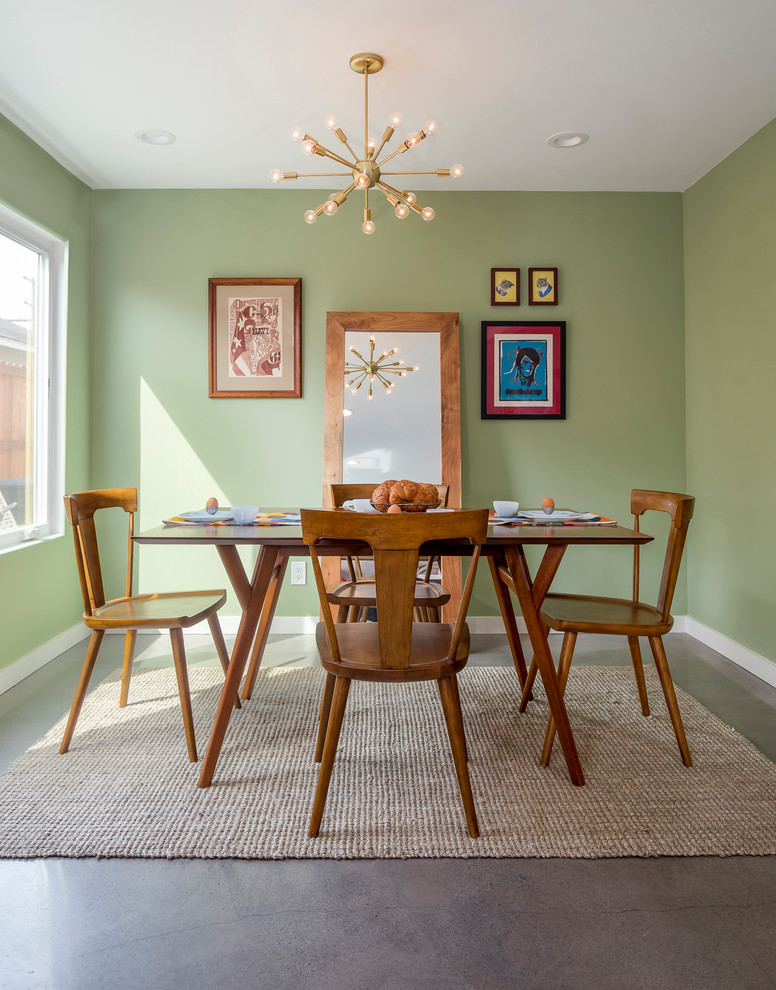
x,y
298,572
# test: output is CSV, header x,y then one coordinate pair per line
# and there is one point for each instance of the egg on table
x,y
548,505
212,506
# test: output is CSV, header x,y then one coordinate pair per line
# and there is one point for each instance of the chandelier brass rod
x,y
433,171
366,108
383,186
386,137
316,175
326,152
402,147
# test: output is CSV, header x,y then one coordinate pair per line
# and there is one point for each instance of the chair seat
x,y
172,610
364,593
360,652
616,616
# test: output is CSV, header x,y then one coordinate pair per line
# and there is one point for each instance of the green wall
x,y
40,596
730,259
620,262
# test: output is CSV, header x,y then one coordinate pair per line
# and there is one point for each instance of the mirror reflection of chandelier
x,y
371,370
367,172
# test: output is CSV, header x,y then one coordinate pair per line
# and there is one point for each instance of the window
x,y
32,307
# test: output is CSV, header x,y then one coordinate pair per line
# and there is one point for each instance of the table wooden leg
x,y
508,615
267,614
262,575
518,567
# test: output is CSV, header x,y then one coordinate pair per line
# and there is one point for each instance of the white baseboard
x,y
301,625
741,655
17,671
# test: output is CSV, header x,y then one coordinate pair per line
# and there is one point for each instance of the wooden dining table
x,y
504,549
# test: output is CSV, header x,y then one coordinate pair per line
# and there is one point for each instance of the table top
x,y
291,536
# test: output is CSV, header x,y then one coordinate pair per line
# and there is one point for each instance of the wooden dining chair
x,y
632,618
394,649
175,611
354,597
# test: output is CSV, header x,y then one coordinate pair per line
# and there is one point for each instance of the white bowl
x,y
505,509
244,514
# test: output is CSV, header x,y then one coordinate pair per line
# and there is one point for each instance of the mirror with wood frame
x,y
397,328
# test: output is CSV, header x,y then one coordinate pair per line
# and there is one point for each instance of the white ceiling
x,y
665,88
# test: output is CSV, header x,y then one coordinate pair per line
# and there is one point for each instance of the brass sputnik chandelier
x,y
367,172
369,370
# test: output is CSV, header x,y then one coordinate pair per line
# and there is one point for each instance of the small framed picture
x,y
255,338
505,286
523,370
542,286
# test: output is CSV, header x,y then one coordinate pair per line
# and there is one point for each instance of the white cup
x,y
244,514
363,505
505,509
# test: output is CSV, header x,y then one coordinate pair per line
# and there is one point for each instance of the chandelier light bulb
x,y
276,175
402,211
410,197
395,120
331,123
457,171
412,139
368,226
330,207
427,213
431,127
296,133
310,216
363,181
308,148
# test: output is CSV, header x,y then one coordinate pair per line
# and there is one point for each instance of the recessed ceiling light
x,y
155,137
567,139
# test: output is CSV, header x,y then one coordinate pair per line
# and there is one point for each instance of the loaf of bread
x,y
410,496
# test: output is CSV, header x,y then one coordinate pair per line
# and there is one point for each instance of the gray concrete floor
x,y
431,924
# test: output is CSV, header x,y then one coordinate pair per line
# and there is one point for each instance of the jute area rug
x,y
126,789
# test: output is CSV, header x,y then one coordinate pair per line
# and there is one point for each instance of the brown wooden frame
x,y
446,325
495,298
216,331
533,297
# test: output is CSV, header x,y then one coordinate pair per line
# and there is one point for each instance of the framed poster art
x,y
542,286
505,286
255,338
523,370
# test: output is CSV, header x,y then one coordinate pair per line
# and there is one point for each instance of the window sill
x,y
31,541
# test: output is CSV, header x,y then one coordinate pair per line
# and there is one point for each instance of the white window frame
x,y
49,387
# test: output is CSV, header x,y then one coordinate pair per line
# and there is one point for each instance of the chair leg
x,y
530,677
126,671
323,715
564,665
458,703
341,688
83,683
179,656
221,650
454,720
342,613
638,670
661,662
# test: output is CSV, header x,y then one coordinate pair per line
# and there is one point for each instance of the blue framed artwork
x,y
523,370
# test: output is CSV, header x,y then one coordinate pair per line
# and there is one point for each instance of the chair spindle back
x,y
80,508
681,509
395,540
